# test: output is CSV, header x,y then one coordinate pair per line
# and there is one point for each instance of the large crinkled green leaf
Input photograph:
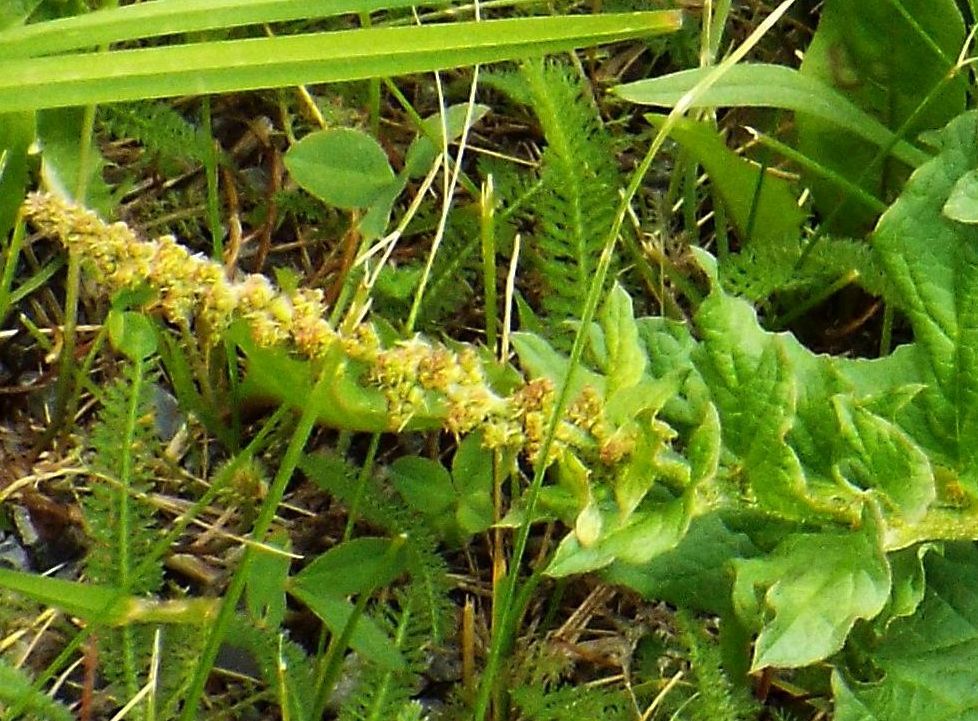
x,y
927,660
814,434
932,262
808,593
888,75
755,393
882,456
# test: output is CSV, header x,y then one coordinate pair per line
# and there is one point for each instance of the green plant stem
x,y
487,232
124,530
886,335
500,641
385,686
689,180
70,324
234,392
210,173
62,409
756,199
9,268
652,276
366,470
799,310
266,515
921,33
849,188
721,227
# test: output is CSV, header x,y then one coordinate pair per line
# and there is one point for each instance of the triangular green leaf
x,y
809,592
626,356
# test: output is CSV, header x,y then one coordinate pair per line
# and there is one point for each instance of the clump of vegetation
x,y
659,498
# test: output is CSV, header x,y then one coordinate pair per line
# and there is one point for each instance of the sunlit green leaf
x,y
807,594
932,263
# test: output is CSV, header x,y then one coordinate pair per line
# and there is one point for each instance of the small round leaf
x,y
342,167
132,334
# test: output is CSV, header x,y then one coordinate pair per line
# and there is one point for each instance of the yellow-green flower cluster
x,y
191,289
419,379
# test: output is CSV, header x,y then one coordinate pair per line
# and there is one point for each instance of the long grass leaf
x,y
170,17
251,64
760,84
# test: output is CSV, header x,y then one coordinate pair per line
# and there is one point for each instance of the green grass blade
x,y
169,17
760,84
237,65
106,605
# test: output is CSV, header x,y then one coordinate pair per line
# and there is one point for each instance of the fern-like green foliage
x,y
759,270
284,665
541,689
16,686
120,525
452,276
170,140
571,703
717,699
574,209
385,694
